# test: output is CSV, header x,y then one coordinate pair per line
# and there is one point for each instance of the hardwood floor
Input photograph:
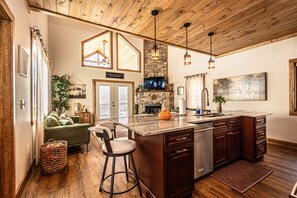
x,y
82,174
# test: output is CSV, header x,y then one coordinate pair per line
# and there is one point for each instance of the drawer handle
x,y
183,138
181,151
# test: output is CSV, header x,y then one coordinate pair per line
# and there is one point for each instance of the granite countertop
x,y
151,125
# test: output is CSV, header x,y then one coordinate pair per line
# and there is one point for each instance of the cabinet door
x,y
235,143
180,172
220,147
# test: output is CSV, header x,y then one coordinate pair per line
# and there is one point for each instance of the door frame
x,y
7,154
109,81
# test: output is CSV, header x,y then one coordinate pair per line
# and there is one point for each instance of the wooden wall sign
x,y
114,75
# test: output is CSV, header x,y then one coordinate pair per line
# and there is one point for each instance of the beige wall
x,y
272,58
24,135
65,38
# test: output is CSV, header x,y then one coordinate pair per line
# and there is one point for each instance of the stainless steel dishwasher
x,y
203,149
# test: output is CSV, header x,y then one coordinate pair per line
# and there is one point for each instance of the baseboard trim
x,y
25,181
282,143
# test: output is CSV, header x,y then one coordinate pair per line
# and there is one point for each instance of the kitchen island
x,y
164,155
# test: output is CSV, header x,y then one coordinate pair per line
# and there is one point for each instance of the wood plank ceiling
x,y
237,23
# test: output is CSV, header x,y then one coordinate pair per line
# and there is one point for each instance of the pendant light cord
x,y
155,30
210,46
186,40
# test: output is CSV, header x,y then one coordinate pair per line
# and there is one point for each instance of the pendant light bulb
x,y
187,56
155,49
211,62
155,53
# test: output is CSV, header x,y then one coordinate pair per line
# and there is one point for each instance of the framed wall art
x,y
251,87
23,61
77,91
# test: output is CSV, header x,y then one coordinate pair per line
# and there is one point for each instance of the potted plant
x,y
219,100
60,95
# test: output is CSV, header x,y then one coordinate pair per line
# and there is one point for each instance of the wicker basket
x,y
53,156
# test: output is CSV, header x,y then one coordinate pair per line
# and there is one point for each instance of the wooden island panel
x,y
165,163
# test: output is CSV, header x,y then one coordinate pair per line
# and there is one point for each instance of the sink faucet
x,y
203,105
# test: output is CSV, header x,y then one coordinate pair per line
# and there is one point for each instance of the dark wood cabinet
x,y
84,117
165,163
254,137
226,140
179,152
220,147
235,144
179,171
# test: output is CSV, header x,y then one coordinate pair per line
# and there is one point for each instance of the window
x,y
293,86
128,57
194,86
97,51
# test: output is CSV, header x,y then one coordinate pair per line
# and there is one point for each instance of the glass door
x,y
105,108
113,100
123,101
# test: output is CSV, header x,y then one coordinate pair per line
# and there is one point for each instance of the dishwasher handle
x,y
201,130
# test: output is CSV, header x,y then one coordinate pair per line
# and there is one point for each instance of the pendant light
x,y
211,62
155,50
187,56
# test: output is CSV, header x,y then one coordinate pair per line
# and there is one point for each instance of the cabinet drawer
x,y
261,133
260,149
220,123
234,123
177,139
260,121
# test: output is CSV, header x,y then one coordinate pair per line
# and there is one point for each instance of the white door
x,y
113,100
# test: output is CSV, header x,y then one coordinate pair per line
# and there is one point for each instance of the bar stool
x,y
116,148
111,126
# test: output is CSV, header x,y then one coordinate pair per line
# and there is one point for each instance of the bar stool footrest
x,y
117,193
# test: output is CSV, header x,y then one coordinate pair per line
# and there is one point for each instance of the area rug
x,y
241,175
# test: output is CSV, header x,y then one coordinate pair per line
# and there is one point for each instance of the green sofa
x,y
75,134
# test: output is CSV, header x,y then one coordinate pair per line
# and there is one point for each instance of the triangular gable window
x,y
128,56
97,50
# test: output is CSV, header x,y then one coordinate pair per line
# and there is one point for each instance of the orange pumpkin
x,y
165,115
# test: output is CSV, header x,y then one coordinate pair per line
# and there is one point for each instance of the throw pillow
x,y
54,114
65,122
51,121
70,120
63,116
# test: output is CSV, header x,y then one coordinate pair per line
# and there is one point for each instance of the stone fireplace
x,y
148,100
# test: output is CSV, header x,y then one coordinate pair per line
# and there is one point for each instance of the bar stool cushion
x,y
121,146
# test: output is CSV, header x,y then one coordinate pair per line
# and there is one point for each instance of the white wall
x,y
272,58
24,135
65,39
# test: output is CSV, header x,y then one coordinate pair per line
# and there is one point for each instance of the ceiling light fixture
x,y
155,50
187,56
211,62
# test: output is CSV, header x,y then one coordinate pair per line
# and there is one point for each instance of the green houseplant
x,y
60,96
219,100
